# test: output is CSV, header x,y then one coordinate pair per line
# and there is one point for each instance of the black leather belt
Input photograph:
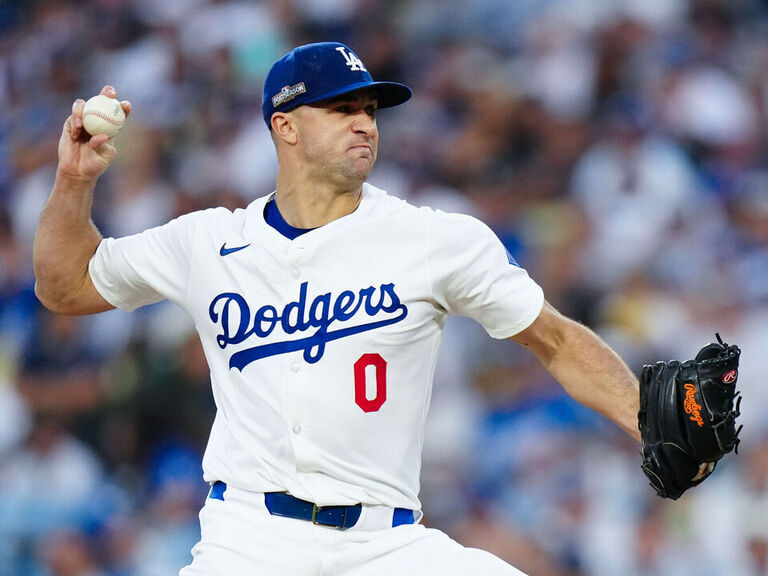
x,y
341,517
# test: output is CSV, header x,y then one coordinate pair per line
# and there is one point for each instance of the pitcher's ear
x,y
283,127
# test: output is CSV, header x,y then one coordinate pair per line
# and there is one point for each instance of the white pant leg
x,y
240,538
415,550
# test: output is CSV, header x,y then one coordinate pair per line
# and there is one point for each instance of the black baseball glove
x,y
688,416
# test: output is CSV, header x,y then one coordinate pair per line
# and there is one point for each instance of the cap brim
x,y
389,93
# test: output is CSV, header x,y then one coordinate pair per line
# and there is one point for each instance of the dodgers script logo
x,y
232,313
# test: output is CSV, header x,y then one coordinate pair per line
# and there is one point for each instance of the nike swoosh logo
x,y
225,251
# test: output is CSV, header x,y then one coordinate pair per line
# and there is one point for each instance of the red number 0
x,y
361,381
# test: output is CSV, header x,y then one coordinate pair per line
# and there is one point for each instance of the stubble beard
x,y
350,173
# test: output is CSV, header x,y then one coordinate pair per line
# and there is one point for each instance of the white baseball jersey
x,y
322,348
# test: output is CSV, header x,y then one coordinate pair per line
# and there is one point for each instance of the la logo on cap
x,y
319,71
354,63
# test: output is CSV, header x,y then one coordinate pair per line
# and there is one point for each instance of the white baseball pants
x,y
239,537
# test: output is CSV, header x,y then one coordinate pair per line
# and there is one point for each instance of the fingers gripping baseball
x,y
82,155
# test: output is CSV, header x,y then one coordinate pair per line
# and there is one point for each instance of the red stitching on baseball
x,y
103,117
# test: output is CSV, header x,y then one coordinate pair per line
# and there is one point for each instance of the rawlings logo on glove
x,y
687,417
690,405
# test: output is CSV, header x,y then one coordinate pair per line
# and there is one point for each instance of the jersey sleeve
x,y
474,275
145,268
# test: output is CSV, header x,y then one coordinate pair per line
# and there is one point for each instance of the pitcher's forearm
x,y
587,368
65,240
594,375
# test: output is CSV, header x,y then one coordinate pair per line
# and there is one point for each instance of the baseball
x,y
103,115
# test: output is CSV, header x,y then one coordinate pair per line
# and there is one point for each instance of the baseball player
x,y
320,309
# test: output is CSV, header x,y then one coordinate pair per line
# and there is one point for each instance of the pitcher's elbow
x,y
48,301
59,302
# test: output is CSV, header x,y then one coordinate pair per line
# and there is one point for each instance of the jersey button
x,y
297,428
295,367
295,273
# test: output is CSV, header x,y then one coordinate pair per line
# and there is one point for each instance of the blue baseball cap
x,y
318,71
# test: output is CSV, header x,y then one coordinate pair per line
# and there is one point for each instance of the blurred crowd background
x,y
617,147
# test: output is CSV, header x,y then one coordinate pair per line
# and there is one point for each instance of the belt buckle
x,y
316,522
